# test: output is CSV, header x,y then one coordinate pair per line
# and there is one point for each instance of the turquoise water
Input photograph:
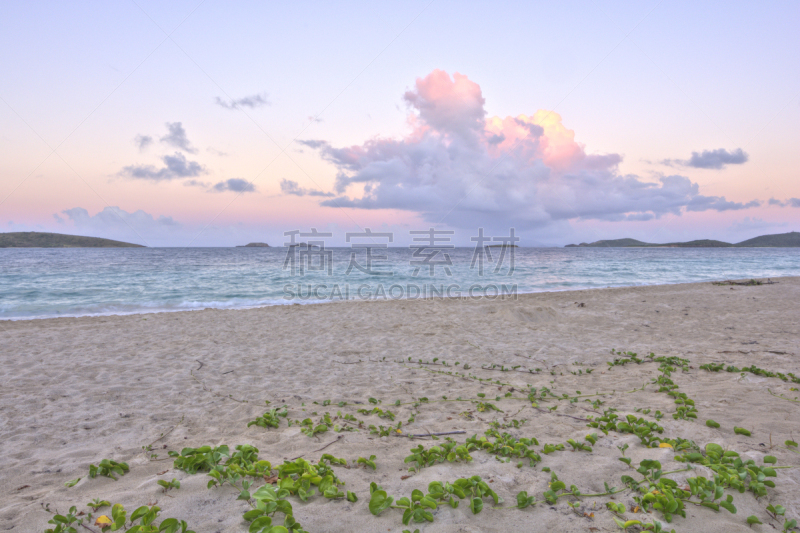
x,y
39,283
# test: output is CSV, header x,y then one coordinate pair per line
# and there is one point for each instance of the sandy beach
x,y
76,391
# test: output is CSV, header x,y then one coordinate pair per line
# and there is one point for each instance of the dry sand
x,y
77,390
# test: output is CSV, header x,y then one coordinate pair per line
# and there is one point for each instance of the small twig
x,y
353,363
201,364
559,414
315,451
228,372
167,433
410,435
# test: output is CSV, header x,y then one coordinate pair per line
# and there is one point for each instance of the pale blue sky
x,y
649,81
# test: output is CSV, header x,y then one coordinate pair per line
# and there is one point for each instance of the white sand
x,y
77,390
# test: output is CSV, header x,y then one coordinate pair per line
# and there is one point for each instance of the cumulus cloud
x,y
253,101
462,167
791,202
294,188
716,159
176,166
235,185
143,141
177,137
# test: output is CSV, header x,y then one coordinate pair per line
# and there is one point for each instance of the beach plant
x,y
578,446
550,448
97,503
108,468
513,423
381,431
506,445
268,501
731,471
418,507
302,478
65,523
367,462
141,520
378,411
244,462
449,451
271,418
167,485
202,459
753,369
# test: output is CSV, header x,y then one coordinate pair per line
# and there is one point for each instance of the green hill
x,y
782,240
35,239
612,243
702,243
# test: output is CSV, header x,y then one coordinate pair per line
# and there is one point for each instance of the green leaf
x,y
712,424
379,502
260,525
140,512
252,515
770,459
476,505
714,448
741,431
72,483
753,519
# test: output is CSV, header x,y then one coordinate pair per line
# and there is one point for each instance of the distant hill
x,y
35,239
254,245
781,240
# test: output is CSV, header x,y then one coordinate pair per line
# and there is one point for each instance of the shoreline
x,y
277,303
81,390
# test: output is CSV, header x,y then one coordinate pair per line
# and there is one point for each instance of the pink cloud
x,y
527,170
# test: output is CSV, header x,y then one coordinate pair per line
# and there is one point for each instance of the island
x,y
779,240
254,245
35,239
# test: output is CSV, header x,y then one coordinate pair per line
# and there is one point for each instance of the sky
x,y
203,123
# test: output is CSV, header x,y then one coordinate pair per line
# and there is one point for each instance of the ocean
x,y
43,283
